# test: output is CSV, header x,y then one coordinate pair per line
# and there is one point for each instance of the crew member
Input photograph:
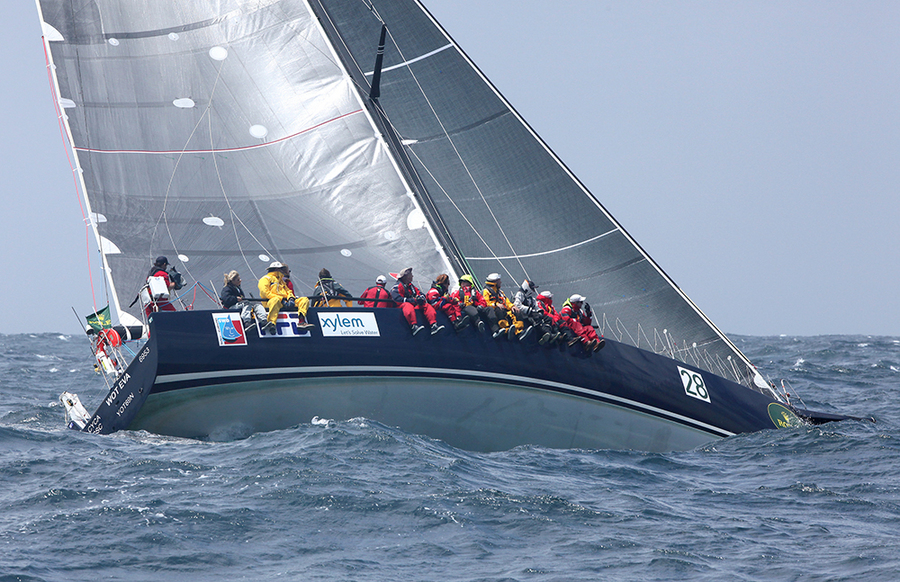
x,y
411,299
159,270
439,297
273,289
502,307
472,303
530,313
377,295
545,304
573,317
330,292
232,297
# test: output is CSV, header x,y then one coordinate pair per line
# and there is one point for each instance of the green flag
x,y
100,320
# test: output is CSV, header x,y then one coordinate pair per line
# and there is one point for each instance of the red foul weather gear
x,y
573,318
444,302
410,299
376,292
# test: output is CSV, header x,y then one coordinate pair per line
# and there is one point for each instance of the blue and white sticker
x,y
694,386
286,325
348,324
229,329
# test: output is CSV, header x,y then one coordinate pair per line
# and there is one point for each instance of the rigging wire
x,y
371,7
231,210
163,217
67,146
475,230
462,161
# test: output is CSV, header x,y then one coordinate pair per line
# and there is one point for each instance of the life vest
x,y
495,298
545,304
376,292
330,293
405,294
470,297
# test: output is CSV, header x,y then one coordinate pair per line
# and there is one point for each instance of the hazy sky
x,y
752,148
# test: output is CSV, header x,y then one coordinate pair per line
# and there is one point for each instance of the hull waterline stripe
x,y
506,378
222,150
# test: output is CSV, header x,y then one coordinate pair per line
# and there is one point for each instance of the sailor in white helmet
x,y
573,317
377,295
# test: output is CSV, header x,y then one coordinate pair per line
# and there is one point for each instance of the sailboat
x,y
357,135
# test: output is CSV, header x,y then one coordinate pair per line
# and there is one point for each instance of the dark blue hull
x,y
201,375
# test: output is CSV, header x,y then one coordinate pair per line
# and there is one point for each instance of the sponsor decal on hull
x,y
343,324
782,416
286,325
230,329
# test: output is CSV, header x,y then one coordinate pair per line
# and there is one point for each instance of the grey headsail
x,y
230,132
511,205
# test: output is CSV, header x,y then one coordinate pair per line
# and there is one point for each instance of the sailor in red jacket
x,y
573,317
545,304
411,299
377,295
159,270
471,301
440,299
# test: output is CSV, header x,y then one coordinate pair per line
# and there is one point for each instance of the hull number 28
x,y
693,384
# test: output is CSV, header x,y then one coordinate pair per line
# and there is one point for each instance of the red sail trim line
x,y
223,150
63,134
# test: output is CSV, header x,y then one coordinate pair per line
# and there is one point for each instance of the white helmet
x,y
493,278
275,265
381,280
576,299
547,294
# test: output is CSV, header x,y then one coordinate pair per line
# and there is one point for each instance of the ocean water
x,y
357,500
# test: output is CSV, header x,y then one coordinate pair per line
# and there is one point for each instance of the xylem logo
x,y
340,324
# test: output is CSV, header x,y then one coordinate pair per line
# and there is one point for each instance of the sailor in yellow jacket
x,y
278,296
503,307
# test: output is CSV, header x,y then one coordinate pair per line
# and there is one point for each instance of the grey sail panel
x,y
225,134
511,206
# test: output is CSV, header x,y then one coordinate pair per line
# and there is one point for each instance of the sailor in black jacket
x,y
232,297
